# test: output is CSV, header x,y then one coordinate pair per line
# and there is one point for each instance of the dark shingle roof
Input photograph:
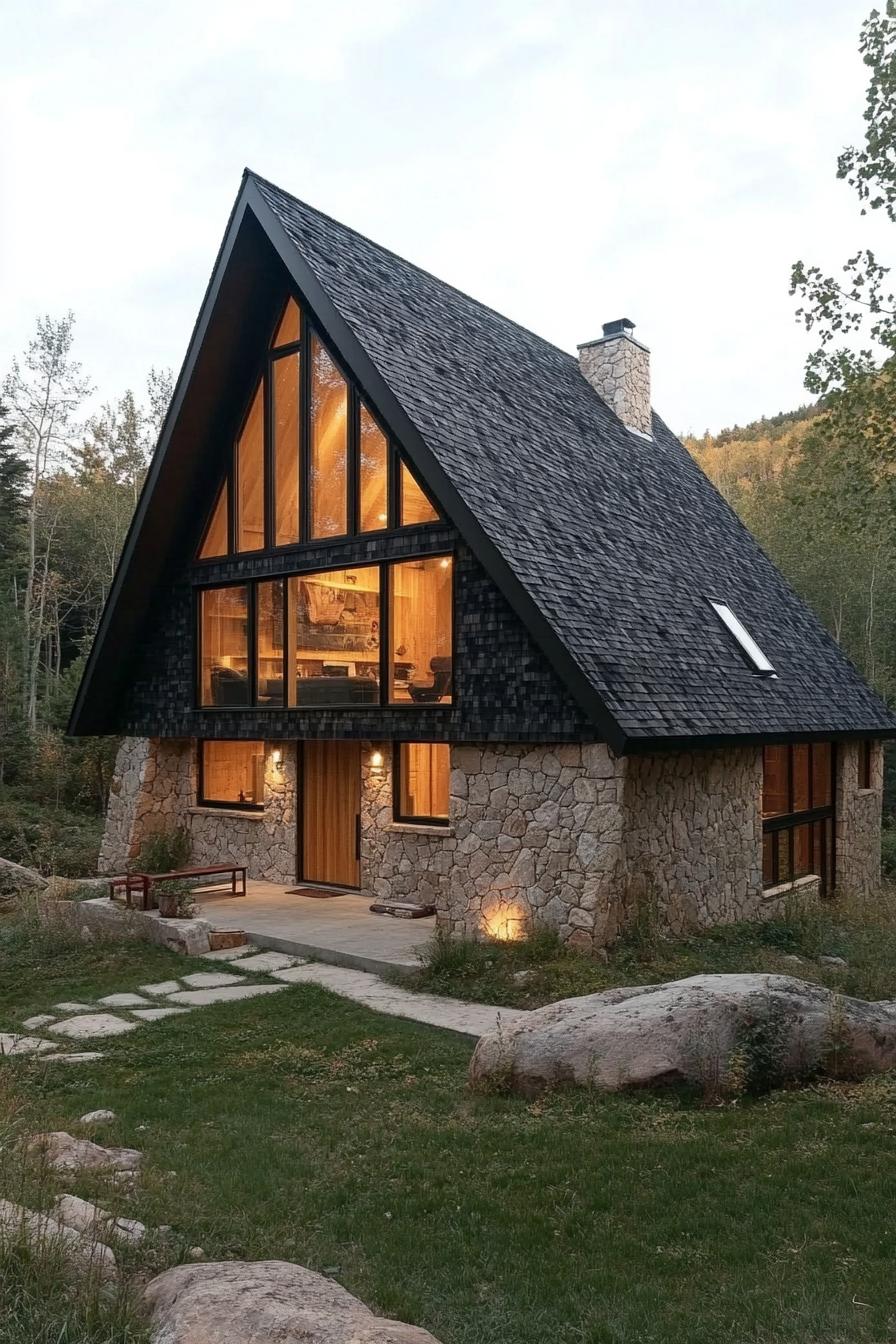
x,y
618,541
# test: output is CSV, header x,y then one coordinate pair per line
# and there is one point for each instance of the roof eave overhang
x,y
641,746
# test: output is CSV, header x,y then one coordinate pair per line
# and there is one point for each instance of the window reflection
x,y
374,453
334,637
250,477
286,394
329,447
224,635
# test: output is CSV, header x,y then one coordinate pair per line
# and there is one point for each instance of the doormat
x,y
317,893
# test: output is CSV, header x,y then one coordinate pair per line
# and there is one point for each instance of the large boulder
x,y
64,1152
85,1255
256,1302
695,1030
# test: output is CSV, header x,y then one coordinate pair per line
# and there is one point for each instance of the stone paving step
x,y
470,1019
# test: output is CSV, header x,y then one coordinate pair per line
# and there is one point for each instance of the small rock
x,y
41,1020
793,959
833,961
83,1254
98,1118
520,977
124,1177
63,1152
196,1253
601,954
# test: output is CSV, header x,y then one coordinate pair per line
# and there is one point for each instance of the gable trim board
x,y
644,725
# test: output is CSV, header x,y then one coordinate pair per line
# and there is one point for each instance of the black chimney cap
x,y
623,326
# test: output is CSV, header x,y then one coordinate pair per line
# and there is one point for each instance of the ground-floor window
x,y
231,774
422,771
798,812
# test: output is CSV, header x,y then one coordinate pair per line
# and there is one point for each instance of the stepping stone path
x,y
199,998
198,989
85,1026
163,987
12,1044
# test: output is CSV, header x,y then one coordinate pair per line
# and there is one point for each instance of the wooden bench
x,y
141,884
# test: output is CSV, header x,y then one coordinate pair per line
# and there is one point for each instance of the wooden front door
x,y
331,810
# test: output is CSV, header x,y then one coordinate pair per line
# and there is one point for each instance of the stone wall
x,y
154,789
858,820
399,861
537,839
693,836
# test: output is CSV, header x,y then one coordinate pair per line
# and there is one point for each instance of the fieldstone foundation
x,y
564,836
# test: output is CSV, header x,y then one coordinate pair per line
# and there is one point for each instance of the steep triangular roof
x,y
606,544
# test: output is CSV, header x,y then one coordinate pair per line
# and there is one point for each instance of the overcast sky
x,y
567,162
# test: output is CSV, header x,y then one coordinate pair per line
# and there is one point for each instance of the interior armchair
x,y
435,690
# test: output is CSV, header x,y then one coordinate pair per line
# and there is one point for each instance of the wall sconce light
x,y
376,760
277,758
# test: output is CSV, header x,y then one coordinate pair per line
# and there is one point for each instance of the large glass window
x,y
329,445
269,642
310,460
215,540
414,504
797,811
250,478
373,475
231,774
224,645
422,773
420,621
334,638
286,400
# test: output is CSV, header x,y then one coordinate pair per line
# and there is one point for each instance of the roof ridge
x,y
387,251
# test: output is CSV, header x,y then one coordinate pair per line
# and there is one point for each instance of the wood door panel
x,y
331,802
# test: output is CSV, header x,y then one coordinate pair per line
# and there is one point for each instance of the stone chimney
x,y
618,368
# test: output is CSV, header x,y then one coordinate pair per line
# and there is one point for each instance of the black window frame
x,y
397,768
217,803
262,371
251,585
824,815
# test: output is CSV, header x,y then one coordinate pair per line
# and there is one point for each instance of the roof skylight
x,y
746,641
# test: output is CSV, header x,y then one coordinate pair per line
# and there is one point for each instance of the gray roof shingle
x,y
619,541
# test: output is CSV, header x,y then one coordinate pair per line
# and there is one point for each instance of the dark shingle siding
x,y
617,539
505,688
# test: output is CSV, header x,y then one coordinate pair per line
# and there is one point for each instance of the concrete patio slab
x,y
340,931
269,961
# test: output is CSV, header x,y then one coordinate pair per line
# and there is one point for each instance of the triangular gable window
x,y
311,461
415,506
289,327
214,541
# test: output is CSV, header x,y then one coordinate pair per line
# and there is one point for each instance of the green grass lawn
x,y
532,972
303,1127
